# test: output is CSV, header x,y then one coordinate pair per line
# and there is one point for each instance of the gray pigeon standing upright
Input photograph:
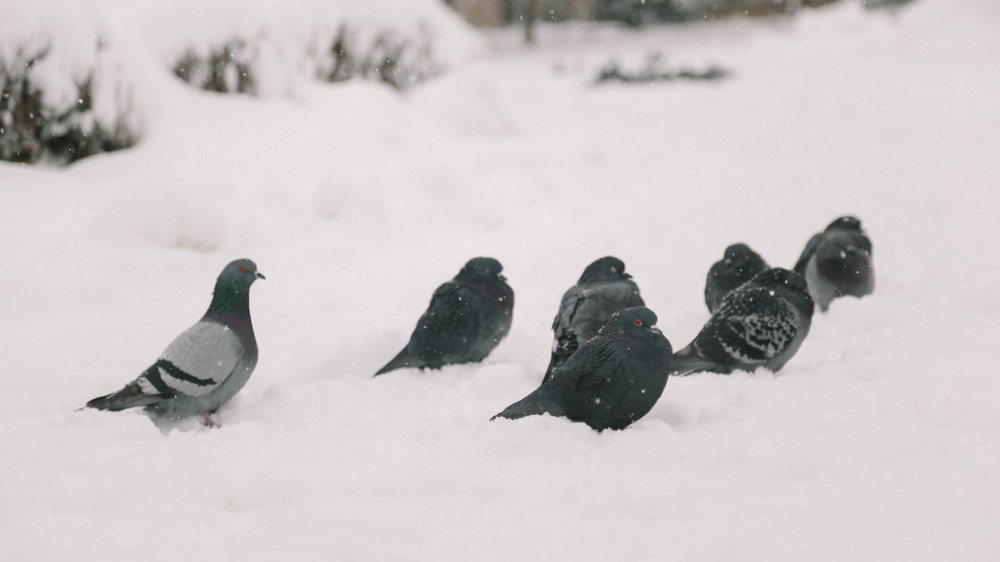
x,y
838,262
205,365
760,324
466,319
738,265
603,289
613,380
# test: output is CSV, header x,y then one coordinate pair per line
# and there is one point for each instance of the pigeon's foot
x,y
207,421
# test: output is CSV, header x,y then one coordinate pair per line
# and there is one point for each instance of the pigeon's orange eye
x,y
637,322
243,269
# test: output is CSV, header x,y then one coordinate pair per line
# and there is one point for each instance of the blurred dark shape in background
x,y
635,13
654,70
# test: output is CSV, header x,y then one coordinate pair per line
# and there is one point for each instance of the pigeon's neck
x,y
230,305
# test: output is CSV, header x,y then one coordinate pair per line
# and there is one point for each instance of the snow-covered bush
x,y
262,48
389,57
63,95
226,69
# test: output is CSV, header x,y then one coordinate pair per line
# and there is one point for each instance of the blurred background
x,y
249,49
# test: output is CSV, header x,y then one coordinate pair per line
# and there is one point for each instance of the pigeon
x,y
465,321
205,365
603,289
838,262
612,381
760,324
738,265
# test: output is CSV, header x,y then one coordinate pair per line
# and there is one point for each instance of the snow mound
x,y
174,218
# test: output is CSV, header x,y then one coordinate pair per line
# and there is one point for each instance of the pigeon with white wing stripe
x,y
760,324
205,365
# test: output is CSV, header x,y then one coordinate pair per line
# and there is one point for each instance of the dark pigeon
x,y
467,318
207,364
760,324
603,289
738,265
838,262
613,380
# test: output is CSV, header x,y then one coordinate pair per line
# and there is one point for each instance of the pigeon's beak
x,y
655,329
501,277
259,275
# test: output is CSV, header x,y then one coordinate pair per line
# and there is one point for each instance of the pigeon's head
x,y
845,222
241,273
232,289
481,270
740,258
608,268
637,321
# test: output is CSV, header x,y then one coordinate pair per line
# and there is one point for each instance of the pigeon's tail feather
x,y
687,361
530,405
129,397
402,360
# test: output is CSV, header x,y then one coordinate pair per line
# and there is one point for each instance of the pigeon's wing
x,y
810,249
565,342
199,360
449,306
446,330
594,377
194,364
582,317
751,338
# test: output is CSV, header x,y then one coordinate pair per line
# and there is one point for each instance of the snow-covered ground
x,y
877,442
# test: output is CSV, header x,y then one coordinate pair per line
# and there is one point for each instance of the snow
x,y
876,442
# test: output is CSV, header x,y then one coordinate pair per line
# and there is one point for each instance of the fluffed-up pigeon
x,y
838,262
465,321
760,324
613,380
